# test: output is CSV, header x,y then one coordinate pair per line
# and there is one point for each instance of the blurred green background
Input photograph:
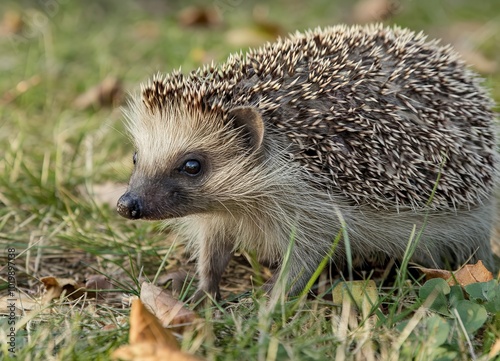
x,y
65,69
52,51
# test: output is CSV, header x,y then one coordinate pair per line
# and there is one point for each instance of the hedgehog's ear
x,y
250,121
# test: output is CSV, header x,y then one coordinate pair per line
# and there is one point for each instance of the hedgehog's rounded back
x,y
377,124
380,112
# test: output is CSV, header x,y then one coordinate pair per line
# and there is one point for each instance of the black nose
x,y
129,206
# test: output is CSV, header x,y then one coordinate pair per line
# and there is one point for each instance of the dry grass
x,y
56,158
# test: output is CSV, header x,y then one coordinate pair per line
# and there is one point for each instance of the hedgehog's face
x,y
170,192
182,165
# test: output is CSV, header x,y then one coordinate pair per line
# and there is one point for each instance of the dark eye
x,y
134,158
191,167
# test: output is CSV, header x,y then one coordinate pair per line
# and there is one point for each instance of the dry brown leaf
x,y
145,327
149,341
147,351
471,273
98,282
95,283
366,11
431,273
109,327
108,93
170,311
199,16
56,286
12,23
176,279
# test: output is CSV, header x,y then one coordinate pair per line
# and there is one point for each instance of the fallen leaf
x,y
178,280
362,293
95,283
147,351
149,340
109,327
170,311
56,286
366,11
145,327
431,273
199,16
12,23
471,273
109,92
98,282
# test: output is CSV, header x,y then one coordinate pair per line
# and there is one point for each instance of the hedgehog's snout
x,y
130,206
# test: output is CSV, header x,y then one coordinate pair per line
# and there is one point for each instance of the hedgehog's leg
x,y
295,282
212,261
296,275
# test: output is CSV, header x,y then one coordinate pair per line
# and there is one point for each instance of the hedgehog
x,y
372,133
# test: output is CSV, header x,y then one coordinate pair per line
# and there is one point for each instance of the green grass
x,y
53,155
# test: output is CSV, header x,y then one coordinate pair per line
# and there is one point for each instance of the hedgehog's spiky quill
x,y
357,120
